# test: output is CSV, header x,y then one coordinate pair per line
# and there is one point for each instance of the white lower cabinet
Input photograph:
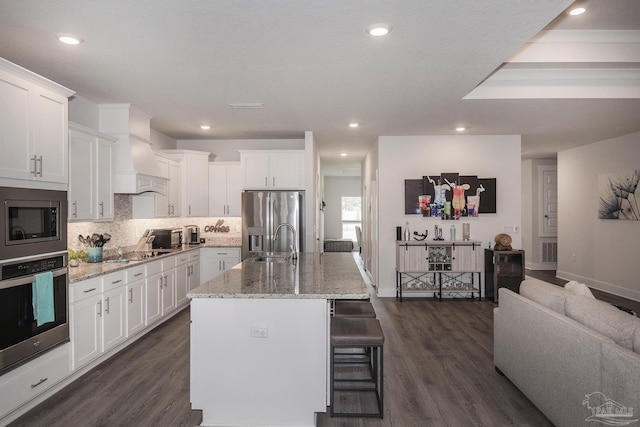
x,y
182,279
33,378
135,304
153,292
113,318
97,316
85,321
168,285
214,261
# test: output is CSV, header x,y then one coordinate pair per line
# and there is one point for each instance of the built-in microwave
x,y
33,222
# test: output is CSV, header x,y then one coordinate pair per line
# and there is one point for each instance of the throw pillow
x,y
579,289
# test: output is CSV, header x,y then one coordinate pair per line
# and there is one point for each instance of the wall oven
x,y
22,336
33,222
34,297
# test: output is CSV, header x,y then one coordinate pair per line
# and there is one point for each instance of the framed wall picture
x,y
488,203
412,193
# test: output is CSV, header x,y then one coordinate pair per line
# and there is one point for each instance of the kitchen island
x,y
260,339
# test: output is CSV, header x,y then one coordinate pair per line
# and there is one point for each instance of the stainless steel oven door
x,y
21,338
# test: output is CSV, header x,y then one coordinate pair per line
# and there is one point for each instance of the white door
x,y
113,326
86,331
217,190
82,204
104,180
153,290
548,179
135,307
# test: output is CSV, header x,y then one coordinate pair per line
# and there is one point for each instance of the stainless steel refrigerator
x,y
262,212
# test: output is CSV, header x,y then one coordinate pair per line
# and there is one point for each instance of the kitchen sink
x,y
272,258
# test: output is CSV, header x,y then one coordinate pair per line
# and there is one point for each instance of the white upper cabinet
x,y
225,188
90,174
272,170
195,182
33,128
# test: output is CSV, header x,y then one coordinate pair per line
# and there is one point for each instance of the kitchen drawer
x,y
84,289
194,256
135,273
226,252
28,381
182,259
154,267
113,280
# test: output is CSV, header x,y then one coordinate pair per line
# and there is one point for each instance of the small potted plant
x,y
76,256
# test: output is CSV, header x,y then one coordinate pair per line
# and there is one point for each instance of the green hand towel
x,y
42,298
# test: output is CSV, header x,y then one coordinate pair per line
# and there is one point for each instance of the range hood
x,y
135,166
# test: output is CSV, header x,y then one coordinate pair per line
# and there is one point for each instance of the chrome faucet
x,y
294,249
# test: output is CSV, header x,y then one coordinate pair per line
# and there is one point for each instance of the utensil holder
x,y
95,254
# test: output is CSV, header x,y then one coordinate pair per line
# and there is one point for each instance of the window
x,y
351,216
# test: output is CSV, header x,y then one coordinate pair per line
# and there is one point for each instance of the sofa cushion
x,y
544,293
578,289
604,318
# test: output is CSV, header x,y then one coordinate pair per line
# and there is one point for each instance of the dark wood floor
x,y
438,372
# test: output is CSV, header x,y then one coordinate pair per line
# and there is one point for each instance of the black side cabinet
x,y
502,269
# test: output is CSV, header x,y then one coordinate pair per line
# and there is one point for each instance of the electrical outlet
x,y
259,332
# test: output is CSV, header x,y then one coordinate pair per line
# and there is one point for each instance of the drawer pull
x,y
136,275
117,281
39,382
89,290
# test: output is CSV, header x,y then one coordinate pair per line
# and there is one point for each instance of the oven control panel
x,y
26,268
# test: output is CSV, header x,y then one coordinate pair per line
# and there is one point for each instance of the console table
x,y
438,266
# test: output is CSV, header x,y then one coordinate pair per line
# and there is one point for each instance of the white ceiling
x,y
314,68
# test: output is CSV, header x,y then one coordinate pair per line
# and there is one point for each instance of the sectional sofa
x,y
574,357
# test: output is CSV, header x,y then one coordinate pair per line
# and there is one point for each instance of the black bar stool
x,y
352,308
349,332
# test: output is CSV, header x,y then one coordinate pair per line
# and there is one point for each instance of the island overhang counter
x,y
260,339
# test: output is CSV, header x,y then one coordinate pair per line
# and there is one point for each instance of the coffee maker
x,y
191,234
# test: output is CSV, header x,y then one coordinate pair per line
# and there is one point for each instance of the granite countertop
x,y
88,270
332,275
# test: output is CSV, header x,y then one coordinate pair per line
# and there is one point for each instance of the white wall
x,y
226,150
400,158
606,251
336,187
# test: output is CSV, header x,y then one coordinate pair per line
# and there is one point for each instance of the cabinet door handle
x,y
274,181
100,309
224,265
106,310
39,170
35,167
131,295
75,208
39,382
101,208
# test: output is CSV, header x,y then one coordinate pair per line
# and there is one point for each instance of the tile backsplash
x,y
126,232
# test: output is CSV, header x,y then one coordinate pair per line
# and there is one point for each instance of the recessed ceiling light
x,y
353,125
577,11
461,128
205,127
69,39
343,154
379,30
